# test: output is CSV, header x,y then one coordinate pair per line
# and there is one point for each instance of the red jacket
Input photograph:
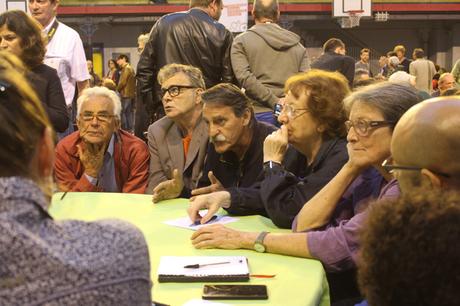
x,y
131,159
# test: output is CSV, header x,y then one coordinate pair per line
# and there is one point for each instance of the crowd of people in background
x,y
360,164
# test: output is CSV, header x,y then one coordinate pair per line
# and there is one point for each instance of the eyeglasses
x,y
290,111
101,117
362,126
174,90
4,86
389,167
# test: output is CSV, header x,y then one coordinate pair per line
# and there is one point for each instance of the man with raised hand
x,y
100,156
178,141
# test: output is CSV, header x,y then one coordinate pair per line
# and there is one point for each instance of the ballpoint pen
x,y
196,266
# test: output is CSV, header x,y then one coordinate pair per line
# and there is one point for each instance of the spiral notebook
x,y
203,268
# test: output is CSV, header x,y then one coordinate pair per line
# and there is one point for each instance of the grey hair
x,y
393,61
391,100
194,74
100,92
143,38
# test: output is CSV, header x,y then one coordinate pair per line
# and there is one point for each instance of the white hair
x,y
393,61
143,38
403,78
100,92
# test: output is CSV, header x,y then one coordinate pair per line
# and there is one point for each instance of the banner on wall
x,y
235,15
9,5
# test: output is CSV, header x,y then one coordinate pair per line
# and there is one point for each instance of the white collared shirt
x,y
65,53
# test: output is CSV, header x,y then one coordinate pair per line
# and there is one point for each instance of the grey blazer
x,y
167,153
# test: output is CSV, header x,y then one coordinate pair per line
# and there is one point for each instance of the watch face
x,y
259,247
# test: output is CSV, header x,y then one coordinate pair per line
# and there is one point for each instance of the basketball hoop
x,y
381,16
352,20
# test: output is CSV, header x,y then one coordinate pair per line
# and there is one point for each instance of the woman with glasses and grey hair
x,y
330,221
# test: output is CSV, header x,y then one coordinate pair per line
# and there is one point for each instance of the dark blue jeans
x,y
127,114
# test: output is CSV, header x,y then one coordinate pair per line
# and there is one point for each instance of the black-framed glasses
x,y
174,90
390,167
362,127
290,111
101,117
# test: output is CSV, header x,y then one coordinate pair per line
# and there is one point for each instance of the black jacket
x,y
47,85
282,191
189,38
331,61
232,172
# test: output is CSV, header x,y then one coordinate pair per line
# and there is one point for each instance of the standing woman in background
x,y
114,72
22,36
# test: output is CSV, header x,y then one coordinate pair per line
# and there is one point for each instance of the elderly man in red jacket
x,y
100,156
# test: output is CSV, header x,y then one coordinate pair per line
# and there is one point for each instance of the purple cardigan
x,y
336,244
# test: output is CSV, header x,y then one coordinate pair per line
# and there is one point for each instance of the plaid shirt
x,y
43,261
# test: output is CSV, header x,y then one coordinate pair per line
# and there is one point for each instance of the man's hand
x,y
92,157
275,145
212,201
215,186
218,236
169,189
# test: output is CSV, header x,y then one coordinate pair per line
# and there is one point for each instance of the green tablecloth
x,y
298,281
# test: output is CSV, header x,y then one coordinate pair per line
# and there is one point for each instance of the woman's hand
x,y
275,145
220,237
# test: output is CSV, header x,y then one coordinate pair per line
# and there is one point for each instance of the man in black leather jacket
x,y
192,38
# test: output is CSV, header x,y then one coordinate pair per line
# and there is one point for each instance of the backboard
x,y
342,7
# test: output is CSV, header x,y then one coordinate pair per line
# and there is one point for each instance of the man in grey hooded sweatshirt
x,y
264,57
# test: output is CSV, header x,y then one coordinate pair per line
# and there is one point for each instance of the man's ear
x,y
321,128
198,93
46,153
56,4
247,117
430,178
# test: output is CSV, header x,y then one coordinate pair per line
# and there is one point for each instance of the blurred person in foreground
x,y
408,254
43,261
100,156
21,35
299,159
331,220
423,144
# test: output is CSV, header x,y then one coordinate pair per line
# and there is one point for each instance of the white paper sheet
x,y
197,302
185,222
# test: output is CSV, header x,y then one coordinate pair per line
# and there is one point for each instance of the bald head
x,y
427,136
265,10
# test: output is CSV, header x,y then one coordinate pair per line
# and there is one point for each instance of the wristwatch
x,y
259,243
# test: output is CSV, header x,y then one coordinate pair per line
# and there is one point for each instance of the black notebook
x,y
203,269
